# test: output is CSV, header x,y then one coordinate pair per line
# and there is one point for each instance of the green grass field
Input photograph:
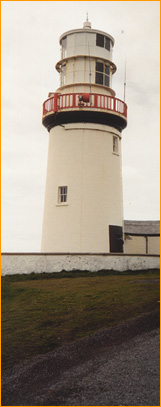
x,y
43,312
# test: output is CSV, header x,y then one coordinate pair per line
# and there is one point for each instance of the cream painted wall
x,y
78,71
80,156
153,244
84,43
137,245
85,87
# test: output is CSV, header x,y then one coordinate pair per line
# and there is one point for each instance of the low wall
x,y
26,263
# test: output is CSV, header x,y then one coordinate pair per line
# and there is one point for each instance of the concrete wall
x,y
26,263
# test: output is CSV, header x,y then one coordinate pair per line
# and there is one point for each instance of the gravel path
x,y
126,376
115,367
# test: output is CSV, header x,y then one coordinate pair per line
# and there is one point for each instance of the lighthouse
x,y
83,208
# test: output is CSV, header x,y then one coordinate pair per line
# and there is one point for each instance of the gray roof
x,y
141,227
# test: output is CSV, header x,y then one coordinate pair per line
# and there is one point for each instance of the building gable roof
x,y
136,227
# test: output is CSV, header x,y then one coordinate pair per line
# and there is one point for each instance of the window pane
x,y
107,70
99,66
115,144
107,80
62,194
107,43
100,40
63,75
64,42
99,78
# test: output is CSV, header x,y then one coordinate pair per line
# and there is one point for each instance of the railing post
x,y
73,99
95,100
114,104
125,109
55,102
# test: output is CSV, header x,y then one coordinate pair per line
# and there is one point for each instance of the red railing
x,y
60,102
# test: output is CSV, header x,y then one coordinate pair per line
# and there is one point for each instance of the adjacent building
x,y
141,237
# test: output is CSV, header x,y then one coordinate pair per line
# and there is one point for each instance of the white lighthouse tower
x,y
83,210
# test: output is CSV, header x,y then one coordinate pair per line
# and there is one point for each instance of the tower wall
x,y
81,157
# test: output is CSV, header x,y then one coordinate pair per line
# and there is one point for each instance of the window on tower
x,y
62,75
100,40
63,47
62,194
102,74
115,144
99,73
107,43
103,41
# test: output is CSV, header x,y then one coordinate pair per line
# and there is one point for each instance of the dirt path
x,y
117,366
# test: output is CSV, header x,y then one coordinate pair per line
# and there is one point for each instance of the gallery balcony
x,y
84,107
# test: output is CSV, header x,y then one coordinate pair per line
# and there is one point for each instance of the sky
x,y
30,32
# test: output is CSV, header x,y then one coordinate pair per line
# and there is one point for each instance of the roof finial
x,y
87,23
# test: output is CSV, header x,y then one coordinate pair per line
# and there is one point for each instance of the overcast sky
x,y
30,50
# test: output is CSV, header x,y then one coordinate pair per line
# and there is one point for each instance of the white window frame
x,y
103,73
63,195
106,40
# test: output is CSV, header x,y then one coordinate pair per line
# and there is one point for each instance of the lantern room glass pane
x,y
107,43
64,42
99,78
62,75
107,70
99,66
107,80
100,40
63,47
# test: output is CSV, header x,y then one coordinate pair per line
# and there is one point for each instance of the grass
x,y
41,312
